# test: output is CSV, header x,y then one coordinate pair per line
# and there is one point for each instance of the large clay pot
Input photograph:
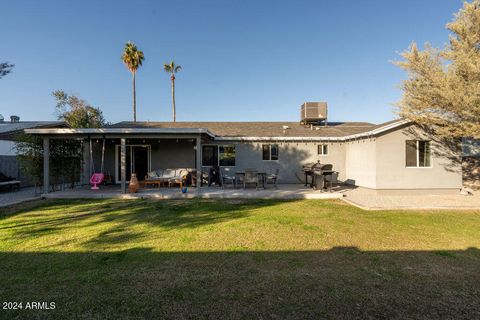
x,y
133,185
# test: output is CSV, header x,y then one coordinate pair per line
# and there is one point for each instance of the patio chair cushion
x,y
181,173
168,173
159,172
152,175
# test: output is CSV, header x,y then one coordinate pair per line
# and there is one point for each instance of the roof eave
x,y
86,131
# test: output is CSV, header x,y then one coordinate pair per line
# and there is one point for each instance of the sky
x,y
242,60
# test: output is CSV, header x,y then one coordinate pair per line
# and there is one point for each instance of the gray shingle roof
x,y
8,129
260,129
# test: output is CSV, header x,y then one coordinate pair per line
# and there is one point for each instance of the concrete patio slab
x,y
16,197
282,192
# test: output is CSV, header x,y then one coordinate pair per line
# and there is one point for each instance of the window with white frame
x,y
417,153
323,149
270,152
218,155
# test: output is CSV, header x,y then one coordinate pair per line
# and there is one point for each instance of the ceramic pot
x,y
133,185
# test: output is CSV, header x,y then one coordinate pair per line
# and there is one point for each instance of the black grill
x,y
318,174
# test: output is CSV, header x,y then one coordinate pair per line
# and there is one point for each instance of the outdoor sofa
x,y
169,177
9,183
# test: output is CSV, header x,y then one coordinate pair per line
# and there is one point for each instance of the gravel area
x,y
371,199
25,194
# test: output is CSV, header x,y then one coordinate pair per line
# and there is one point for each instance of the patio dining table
x,y
261,174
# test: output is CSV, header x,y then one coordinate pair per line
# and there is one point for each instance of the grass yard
x,y
240,259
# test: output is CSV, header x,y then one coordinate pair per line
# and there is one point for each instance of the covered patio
x,y
119,152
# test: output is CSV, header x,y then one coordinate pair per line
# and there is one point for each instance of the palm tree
x,y
172,69
132,57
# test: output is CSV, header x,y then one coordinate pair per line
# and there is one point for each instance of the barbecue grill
x,y
319,174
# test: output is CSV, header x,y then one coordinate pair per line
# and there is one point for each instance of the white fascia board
x,y
55,131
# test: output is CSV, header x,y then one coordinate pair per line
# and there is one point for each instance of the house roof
x,y
259,129
246,131
8,129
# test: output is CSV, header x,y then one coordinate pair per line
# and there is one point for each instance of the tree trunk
x,y
173,99
134,100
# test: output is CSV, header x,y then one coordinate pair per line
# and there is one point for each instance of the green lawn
x,y
238,259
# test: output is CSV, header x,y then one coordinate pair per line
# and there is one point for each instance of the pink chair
x,y
96,179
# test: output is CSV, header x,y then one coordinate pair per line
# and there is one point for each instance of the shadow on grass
x,y
339,283
57,216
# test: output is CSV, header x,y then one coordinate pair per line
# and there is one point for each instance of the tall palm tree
x,y
172,69
132,57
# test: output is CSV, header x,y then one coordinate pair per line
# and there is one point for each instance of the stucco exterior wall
x,y
361,163
172,154
291,157
392,172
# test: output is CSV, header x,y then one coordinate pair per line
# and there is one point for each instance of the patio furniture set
x,y
248,177
168,177
220,177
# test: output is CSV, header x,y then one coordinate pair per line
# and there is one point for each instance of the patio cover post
x,y
199,163
46,164
123,164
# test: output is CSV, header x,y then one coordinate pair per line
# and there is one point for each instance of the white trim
x,y
323,154
118,131
417,149
270,151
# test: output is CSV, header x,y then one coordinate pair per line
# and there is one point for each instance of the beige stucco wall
x,y
392,172
361,163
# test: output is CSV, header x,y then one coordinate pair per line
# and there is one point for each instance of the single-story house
x,y
8,157
390,156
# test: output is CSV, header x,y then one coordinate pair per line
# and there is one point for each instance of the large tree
x,y
442,91
172,69
5,68
133,58
65,154
76,112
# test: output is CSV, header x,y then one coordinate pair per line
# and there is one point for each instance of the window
x,y
226,156
417,153
270,152
209,156
222,156
323,149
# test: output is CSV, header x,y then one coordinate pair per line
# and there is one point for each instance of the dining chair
x,y
251,177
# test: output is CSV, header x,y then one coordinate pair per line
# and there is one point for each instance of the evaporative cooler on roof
x,y
313,112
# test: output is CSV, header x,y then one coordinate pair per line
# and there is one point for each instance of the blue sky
x,y
242,60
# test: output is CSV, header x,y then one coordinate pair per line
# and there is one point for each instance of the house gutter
x,y
102,131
